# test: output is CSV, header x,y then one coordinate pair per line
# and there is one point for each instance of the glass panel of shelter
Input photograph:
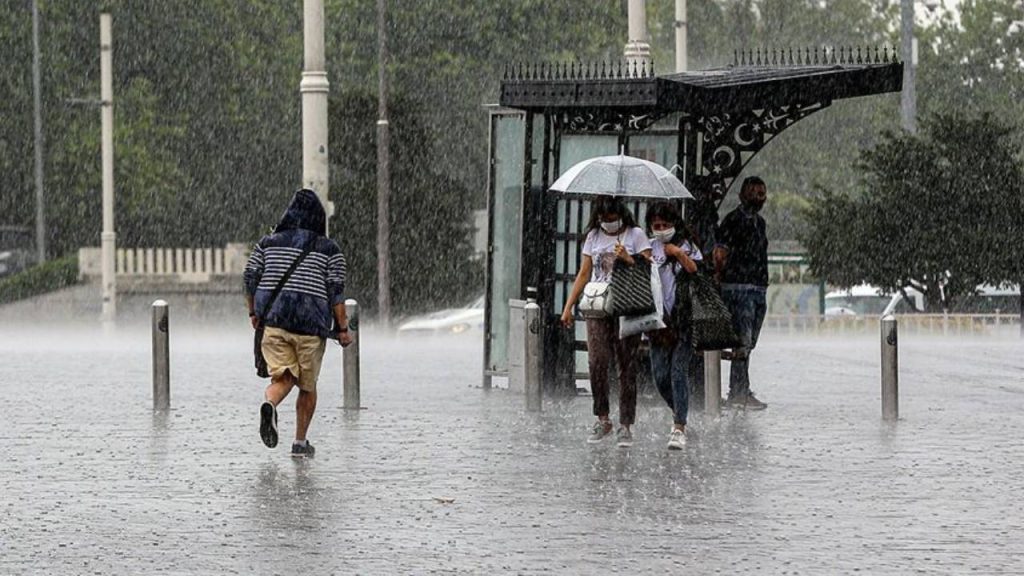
x,y
506,204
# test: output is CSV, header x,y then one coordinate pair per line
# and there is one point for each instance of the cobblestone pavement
x,y
439,476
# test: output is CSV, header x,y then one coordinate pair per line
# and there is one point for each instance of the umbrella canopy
x,y
621,176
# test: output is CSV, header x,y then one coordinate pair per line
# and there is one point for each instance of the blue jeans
x,y
670,362
748,306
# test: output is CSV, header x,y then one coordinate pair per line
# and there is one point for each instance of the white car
x,y
450,321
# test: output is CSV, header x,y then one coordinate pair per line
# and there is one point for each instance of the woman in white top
x,y
612,235
673,252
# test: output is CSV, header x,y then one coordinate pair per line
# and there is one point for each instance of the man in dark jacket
x,y
741,266
298,322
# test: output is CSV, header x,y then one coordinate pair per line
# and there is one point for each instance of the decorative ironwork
x,y
608,121
604,70
729,141
823,55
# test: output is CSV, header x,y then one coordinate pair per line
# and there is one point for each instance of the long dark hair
x,y
609,205
668,212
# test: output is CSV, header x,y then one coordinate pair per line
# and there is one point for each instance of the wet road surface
x,y
439,476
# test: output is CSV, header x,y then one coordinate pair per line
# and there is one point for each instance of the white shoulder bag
x,y
596,300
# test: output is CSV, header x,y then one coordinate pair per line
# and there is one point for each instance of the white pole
x,y
890,369
533,352
161,357
383,173
681,32
314,88
38,120
637,51
908,100
712,382
107,144
350,385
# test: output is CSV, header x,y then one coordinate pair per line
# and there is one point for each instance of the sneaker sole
x,y
268,425
676,447
625,444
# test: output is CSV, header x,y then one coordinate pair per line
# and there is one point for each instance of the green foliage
x,y
208,113
430,246
46,277
940,212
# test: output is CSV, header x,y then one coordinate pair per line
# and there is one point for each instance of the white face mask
x,y
612,227
664,236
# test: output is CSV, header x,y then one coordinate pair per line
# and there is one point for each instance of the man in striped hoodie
x,y
308,309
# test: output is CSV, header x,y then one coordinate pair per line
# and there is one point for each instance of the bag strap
x,y
284,280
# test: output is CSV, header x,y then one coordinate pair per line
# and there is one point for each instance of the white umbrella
x,y
621,176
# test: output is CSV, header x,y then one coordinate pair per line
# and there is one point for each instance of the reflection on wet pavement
x,y
438,475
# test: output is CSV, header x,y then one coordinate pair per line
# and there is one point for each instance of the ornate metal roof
x,y
756,79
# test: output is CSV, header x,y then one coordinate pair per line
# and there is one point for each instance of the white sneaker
x,y
625,437
677,440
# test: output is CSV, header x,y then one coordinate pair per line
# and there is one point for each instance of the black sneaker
x,y
746,402
306,451
268,424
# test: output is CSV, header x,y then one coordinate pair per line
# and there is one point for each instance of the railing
x,y
944,324
149,261
182,262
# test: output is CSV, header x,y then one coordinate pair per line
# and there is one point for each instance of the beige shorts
x,y
299,354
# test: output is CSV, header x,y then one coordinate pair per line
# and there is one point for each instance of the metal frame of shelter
x,y
710,123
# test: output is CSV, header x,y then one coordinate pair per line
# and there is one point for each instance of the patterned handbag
x,y
710,318
631,288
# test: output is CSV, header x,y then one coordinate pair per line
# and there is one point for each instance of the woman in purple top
x,y
612,235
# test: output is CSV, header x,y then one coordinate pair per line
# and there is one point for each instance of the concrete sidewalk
x,y
92,483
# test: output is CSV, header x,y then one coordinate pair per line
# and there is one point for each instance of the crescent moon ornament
x,y
738,135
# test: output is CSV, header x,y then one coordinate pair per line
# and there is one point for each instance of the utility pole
x,y
637,51
908,100
107,238
383,172
314,88
681,32
38,114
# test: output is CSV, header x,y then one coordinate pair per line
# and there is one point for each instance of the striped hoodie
x,y
304,304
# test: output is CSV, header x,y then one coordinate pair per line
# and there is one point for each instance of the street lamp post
x,y
38,121
681,32
107,145
908,48
637,51
314,88
383,173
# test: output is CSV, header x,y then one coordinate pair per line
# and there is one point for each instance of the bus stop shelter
x,y
709,123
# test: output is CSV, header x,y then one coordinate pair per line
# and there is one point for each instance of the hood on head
x,y
304,213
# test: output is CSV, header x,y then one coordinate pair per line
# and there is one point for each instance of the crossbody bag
x,y
261,362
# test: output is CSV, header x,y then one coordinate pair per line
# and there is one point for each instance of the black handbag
x,y
710,319
261,362
631,288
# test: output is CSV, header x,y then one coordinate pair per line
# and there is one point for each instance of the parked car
x,y
869,300
857,301
448,321
17,249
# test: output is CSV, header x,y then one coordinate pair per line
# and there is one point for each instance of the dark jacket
x,y
317,284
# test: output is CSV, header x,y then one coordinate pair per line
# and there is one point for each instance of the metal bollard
x,y
350,359
712,382
890,369
533,351
161,357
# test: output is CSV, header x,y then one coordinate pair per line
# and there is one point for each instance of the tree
x,y
431,252
941,212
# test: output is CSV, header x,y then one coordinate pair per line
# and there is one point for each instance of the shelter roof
x,y
750,82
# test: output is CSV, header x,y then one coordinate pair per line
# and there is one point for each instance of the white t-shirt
x,y
669,268
600,246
